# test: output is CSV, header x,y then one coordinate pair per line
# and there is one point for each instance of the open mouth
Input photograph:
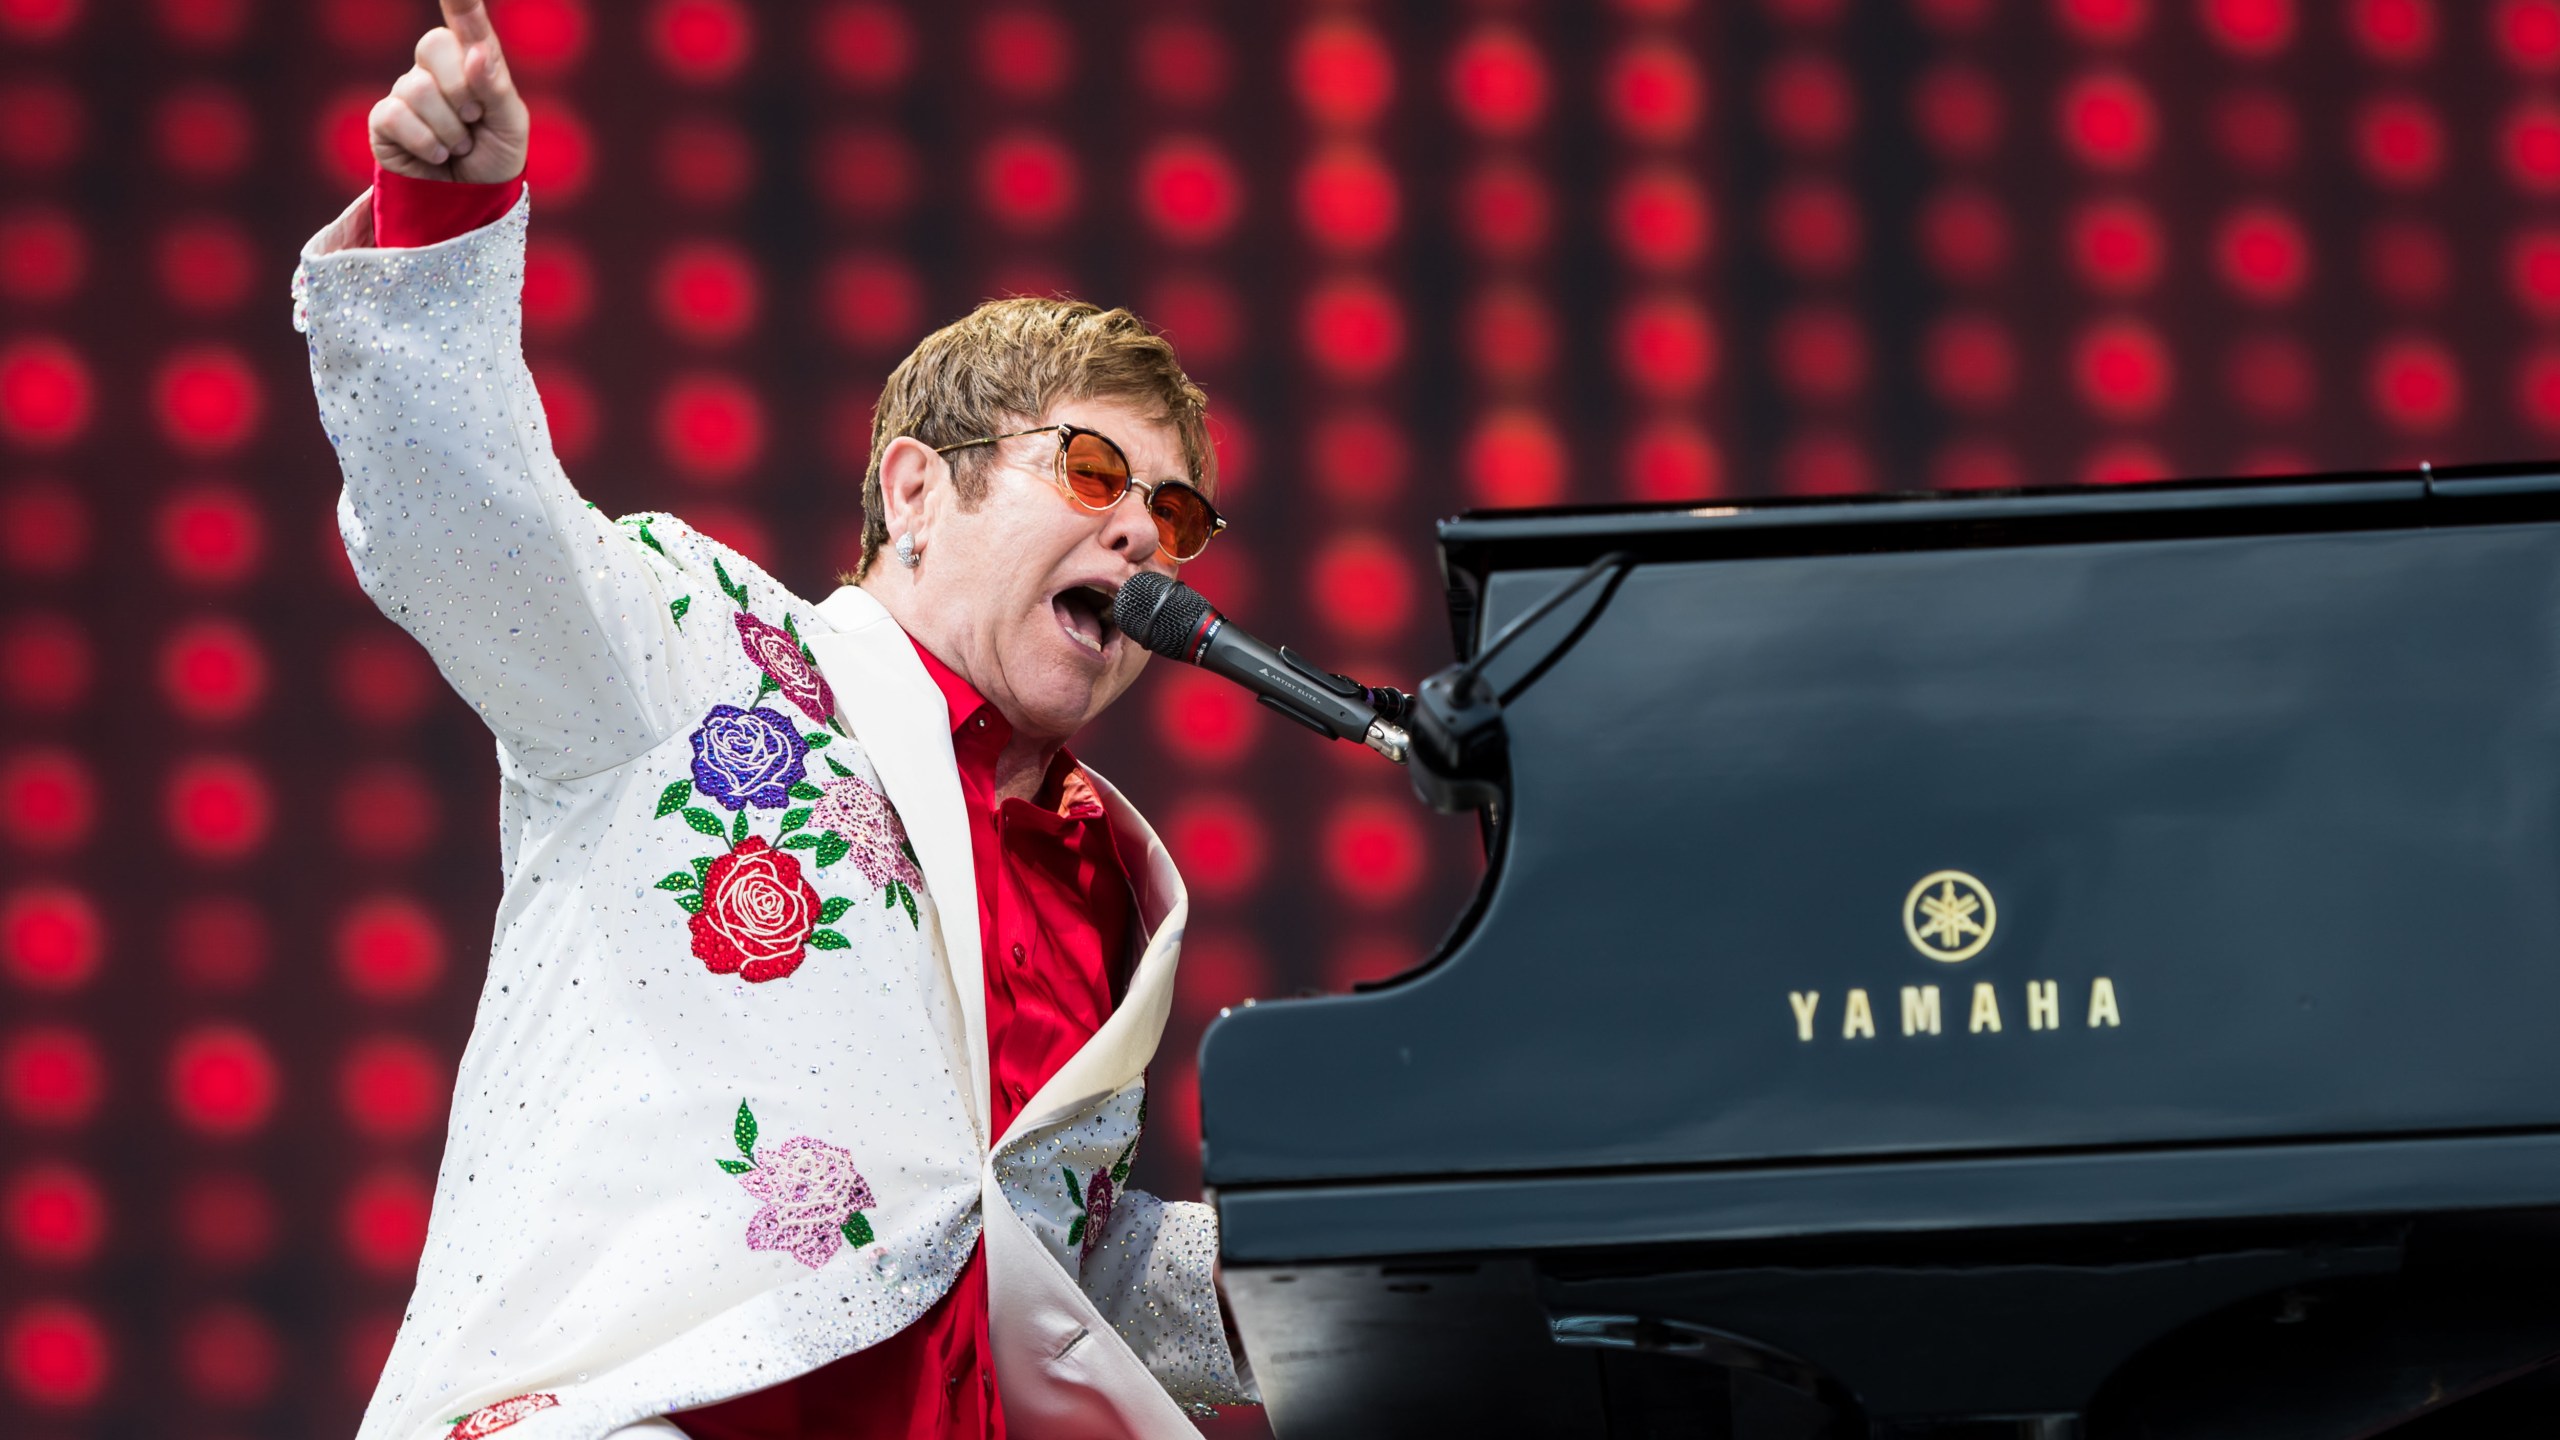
x,y
1084,613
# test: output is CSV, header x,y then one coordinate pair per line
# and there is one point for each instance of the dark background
x,y
1424,256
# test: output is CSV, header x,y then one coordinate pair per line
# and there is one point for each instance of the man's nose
x,y
1129,529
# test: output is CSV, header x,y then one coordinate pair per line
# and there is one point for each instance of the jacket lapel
x,y
903,724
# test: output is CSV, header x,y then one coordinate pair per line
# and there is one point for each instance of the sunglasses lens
x,y
1097,473
1184,520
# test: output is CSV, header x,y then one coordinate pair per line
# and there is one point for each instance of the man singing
x,y
807,1077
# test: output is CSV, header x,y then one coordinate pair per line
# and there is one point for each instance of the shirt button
x,y
1017,954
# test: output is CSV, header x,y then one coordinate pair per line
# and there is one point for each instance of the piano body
x,y
2045,964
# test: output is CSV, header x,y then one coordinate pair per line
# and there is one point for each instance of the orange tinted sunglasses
x,y
1094,474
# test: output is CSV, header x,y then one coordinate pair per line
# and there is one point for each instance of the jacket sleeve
x,y
1152,1278
457,516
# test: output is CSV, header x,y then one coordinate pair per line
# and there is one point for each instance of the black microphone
x,y
1178,622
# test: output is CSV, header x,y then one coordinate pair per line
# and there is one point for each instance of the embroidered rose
x,y
854,809
748,757
490,1419
1097,1212
757,913
778,654
813,1196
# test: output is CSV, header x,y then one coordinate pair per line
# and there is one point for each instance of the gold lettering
x,y
2044,1005
1986,1010
2102,1003
1919,1009
1860,1022
1804,1001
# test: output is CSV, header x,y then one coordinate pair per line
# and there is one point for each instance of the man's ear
x,y
909,471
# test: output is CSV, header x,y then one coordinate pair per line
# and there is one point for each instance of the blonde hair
x,y
1001,367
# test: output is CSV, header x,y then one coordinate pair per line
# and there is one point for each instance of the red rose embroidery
x,y
757,912
490,1419
777,653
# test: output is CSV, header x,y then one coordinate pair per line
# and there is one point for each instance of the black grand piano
x,y
2044,964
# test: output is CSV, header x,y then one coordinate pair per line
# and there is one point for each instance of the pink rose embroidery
x,y
778,654
490,1419
757,913
854,809
813,1196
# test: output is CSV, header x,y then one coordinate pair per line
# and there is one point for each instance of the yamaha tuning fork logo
x,y
1949,917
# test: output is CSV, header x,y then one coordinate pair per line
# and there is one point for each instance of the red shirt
x,y
1055,921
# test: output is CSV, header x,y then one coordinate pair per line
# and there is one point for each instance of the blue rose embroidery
x,y
748,757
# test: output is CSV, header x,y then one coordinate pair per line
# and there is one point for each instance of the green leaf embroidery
x,y
828,940
889,896
790,629
831,848
857,1231
651,540
819,742
1075,1232
673,798
680,880
1075,1191
738,832
907,898
803,841
692,903
803,790
764,687
794,819
702,868
838,766
1120,1173
708,823
729,587
746,1131
833,910
678,606
735,1167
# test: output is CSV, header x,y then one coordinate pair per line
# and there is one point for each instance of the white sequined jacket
x,y
723,1114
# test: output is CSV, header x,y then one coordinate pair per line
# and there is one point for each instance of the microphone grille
x,y
1161,614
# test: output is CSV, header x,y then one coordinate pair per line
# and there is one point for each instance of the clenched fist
x,y
456,114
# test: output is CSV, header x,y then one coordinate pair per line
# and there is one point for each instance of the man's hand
x,y
456,114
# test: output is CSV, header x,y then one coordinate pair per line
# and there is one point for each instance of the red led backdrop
x,y
1425,256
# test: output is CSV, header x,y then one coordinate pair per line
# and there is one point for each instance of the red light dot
x,y
1814,227
51,937
1965,235
865,172
872,301
203,133
1230,969
229,1355
559,287
1027,181
390,948
1231,445
2528,33
1672,460
44,393
1975,465
2263,254
212,670
2538,389
2533,270
45,661
222,1081
2104,22
1347,200
1653,92
2116,246
38,20
1204,719
41,124
1364,589
56,1354
1218,843
51,1076
2122,368
55,1214
1825,463
1660,219
1971,362
1183,61
711,426
42,256
386,810
1498,81
1820,352
1514,458
1225,574
2408,261
1201,314
560,154
1359,456
1025,54
2125,462
2416,384
2108,121
2271,377
226,1220
2256,130
1510,335
1666,346
205,264
1806,100
383,1222
44,528
218,807
210,535
544,38
340,137
382,681
702,41
1342,72
707,292
218,943
569,408
47,800
1353,328
2532,146
866,45
2254,29
2399,141
1957,110
1503,209
1373,851
705,160
2396,31
1189,191
208,399
393,1088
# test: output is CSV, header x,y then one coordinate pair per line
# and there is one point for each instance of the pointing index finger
x,y
469,21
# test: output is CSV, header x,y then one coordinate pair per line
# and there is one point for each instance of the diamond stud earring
x,y
907,555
